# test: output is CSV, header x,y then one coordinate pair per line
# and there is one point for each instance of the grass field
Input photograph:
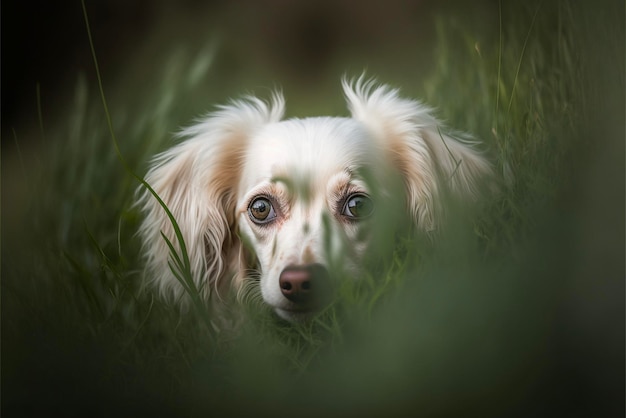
x,y
518,312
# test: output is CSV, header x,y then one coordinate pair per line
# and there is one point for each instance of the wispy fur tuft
x,y
429,159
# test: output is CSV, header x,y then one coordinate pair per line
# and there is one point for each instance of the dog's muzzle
x,y
308,287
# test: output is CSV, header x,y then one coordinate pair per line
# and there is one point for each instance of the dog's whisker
x,y
249,292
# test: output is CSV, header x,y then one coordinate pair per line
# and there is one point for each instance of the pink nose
x,y
306,284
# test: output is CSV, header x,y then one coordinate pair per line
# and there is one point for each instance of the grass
x,y
493,318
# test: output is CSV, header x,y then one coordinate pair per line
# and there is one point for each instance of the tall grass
x,y
474,324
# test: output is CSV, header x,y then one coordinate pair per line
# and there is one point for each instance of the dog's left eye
x,y
358,205
261,210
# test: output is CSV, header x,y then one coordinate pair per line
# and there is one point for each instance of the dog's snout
x,y
305,285
295,284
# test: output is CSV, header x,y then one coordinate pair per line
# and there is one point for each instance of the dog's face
x,y
304,206
291,203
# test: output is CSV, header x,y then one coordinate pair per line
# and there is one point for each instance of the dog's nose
x,y
305,285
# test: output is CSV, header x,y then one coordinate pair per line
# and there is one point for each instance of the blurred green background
x,y
518,312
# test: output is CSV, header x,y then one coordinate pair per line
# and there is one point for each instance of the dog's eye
x,y
358,205
261,210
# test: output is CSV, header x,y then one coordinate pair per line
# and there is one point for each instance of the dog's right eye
x,y
358,206
261,210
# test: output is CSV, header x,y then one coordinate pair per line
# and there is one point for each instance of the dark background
x,y
46,44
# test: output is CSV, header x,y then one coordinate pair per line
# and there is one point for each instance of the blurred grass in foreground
x,y
519,313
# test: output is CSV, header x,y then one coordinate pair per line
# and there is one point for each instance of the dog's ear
x,y
197,180
429,160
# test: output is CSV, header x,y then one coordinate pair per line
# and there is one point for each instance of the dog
x,y
271,203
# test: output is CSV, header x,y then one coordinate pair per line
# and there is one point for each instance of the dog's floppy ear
x,y
429,160
197,180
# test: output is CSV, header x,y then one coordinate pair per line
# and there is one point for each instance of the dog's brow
x,y
300,187
283,179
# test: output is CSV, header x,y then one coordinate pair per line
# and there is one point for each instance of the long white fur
x,y
185,177
200,178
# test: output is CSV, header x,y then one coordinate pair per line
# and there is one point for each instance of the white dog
x,y
275,202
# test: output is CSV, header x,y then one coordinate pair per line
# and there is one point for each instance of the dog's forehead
x,y
313,144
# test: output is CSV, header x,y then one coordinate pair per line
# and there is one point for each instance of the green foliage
x,y
525,90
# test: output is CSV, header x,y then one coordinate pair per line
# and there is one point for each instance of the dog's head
x,y
291,202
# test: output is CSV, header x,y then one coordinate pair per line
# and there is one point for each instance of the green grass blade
x,y
521,59
183,248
